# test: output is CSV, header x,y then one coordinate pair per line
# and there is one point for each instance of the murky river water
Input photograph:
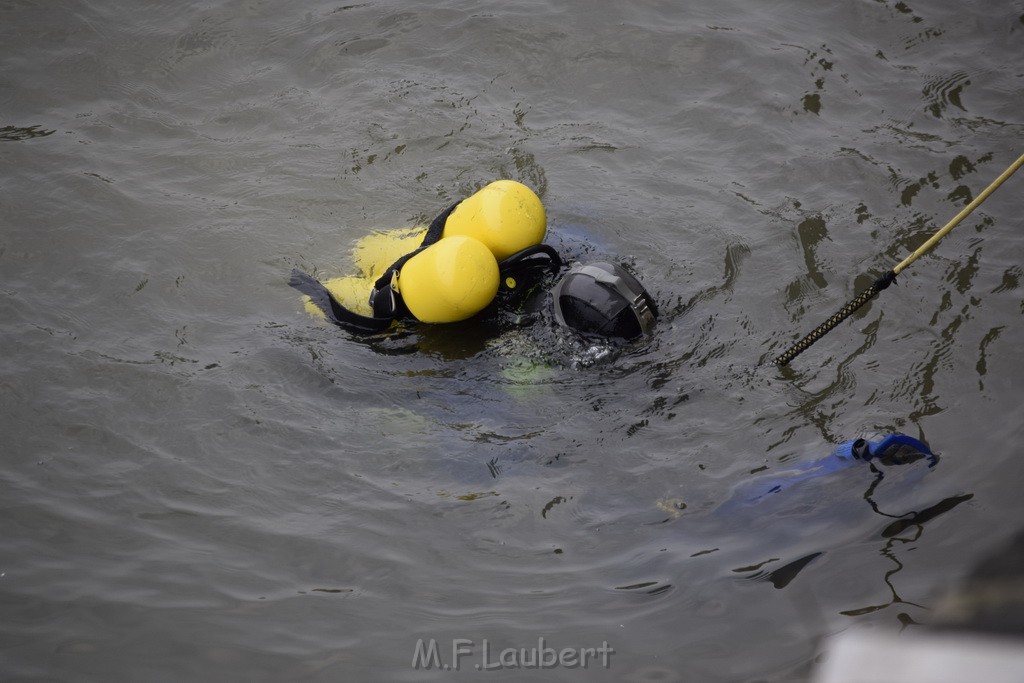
x,y
200,482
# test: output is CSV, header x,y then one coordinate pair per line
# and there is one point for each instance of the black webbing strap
x,y
335,312
433,234
386,303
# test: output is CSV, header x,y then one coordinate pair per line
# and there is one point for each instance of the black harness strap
x,y
335,312
433,234
386,303
522,263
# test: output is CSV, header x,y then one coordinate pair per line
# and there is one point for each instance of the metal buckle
x,y
642,309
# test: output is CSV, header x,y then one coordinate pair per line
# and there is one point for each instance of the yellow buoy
x,y
453,279
505,215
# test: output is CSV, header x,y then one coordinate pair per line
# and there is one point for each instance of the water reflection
x,y
17,133
893,533
940,92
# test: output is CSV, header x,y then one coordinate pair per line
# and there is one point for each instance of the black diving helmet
x,y
604,299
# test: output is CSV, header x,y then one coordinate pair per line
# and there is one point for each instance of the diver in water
x,y
484,248
487,250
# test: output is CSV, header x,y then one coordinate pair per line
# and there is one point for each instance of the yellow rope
x,y
966,211
887,279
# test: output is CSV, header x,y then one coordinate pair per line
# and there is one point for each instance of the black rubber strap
x,y
522,257
527,260
436,228
433,234
335,312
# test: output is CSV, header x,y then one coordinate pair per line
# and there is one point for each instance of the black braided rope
x,y
845,312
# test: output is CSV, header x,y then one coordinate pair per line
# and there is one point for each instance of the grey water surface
x,y
200,482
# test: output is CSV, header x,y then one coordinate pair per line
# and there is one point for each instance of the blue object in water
x,y
892,449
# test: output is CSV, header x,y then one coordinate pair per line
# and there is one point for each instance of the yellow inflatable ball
x,y
452,279
505,215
